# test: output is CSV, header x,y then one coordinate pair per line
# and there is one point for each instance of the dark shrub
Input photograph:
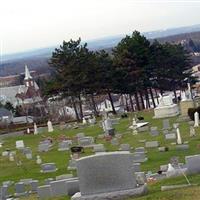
x,y
140,118
191,112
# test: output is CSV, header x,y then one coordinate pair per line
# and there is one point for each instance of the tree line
x,y
135,67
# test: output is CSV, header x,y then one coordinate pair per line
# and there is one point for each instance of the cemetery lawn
x,y
29,168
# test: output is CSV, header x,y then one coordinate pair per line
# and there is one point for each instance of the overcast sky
x,y
29,24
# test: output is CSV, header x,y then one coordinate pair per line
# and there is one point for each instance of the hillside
x,y
38,59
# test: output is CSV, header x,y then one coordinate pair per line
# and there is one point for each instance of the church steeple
x,y
28,80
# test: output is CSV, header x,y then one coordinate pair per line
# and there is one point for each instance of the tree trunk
x,y
111,101
80,107
137,101
127,107
75,109
94,105
147,99
156,96
176,100
131,102
142,101
152,97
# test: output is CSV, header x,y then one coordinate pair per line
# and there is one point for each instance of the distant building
x,y
21,94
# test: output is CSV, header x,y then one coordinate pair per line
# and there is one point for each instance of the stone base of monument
x,y
116,195
166,111
185,105
172,187
183,119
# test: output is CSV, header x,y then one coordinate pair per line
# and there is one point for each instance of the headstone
x,y
109,130
5,153
86,141
191,123
50,126
165,132
163,168
175,125
162,149
154,131
193,164
84,122
182,147
44,192
125,147
48,180
62,126
140,150
48,167
115,141
114,179
19,144
179,140
174,161
166,108
143,129
151,144
72,164
72,186
4,192
140,178
34,186
92,121
58,188
171,171
139,157
170,136
20,189
35,129
29,156
166,124
196,119
64,145
64,176
28,131
43,147
98,148
80,135
28,153
11,157
192,131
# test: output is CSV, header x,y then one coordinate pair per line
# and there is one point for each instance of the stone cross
x,y
189,90
50,127
196,119
35,129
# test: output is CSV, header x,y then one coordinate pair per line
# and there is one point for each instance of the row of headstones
x,y
166,126
63,185
175,168
20,188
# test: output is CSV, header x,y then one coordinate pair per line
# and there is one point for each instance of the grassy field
x,y
29,168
